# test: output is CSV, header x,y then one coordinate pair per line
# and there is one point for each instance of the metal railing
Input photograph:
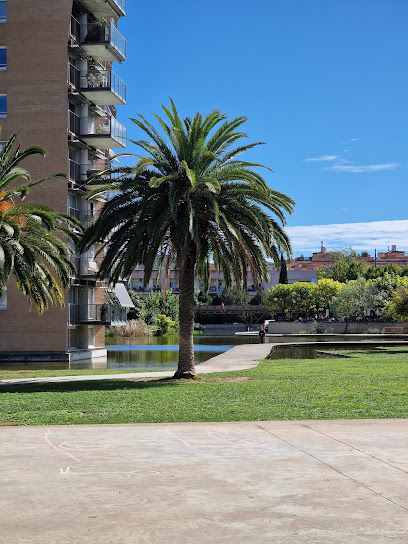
x,y
97,33
75,29
74,212
105,126
74,123
73,75
98,165
74,172
121,4
103,314
95,80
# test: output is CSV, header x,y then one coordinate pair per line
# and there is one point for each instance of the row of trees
x,y
386,294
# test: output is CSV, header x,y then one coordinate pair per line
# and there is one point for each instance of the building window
x,y
3,106
73,338
3,58
3,5
3,300
91,337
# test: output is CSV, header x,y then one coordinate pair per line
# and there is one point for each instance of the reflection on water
x,y
155,353
147,353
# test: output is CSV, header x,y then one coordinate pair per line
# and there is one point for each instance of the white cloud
x,y
373,235
324,158
355,169
353,139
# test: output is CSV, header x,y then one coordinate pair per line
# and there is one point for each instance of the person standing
x,y
262,335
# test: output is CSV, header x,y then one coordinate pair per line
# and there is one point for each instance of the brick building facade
x,y
59,91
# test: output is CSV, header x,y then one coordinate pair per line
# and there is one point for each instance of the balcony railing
x,y
74,172
106,8
75,29
104,42
74,123
97,314
103,87
103,132
73,75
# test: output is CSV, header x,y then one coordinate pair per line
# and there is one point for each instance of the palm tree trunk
x,y
186,367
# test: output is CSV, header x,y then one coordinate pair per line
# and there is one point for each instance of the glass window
x,y
3,106
3,58
3,5
3,300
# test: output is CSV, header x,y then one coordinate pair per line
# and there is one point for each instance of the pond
x,y
156,353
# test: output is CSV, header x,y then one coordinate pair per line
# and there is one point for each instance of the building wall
x,y
35,82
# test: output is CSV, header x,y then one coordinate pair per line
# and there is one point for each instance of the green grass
x,y
23,374
369,384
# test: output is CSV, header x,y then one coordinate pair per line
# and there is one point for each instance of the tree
x,y
190,200
303,296
31,248
234,296
326,289
283,271
351,300
259,299
280,298
397,306
137,311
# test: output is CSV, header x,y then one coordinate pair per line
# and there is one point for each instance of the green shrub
x,y
165,325
317,328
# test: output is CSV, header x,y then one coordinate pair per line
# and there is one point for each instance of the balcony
x,y
75,29
104,43
97,314
73,76
74,172
74,123
103,87
106,8
103,132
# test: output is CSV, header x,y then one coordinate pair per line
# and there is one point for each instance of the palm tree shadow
x,y
94,385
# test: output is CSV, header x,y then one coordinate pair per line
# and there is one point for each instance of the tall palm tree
x,y
31,246
189,200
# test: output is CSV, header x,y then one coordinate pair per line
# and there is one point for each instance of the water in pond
x,y
147,353
157,353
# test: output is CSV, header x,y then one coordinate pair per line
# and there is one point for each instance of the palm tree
x,y
189,200
31,248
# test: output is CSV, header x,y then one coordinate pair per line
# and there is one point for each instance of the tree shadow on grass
x,y
91,385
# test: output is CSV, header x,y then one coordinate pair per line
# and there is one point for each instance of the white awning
x,y
123,296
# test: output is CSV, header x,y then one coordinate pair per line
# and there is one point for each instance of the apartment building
x,y
324,258
217,281
58,88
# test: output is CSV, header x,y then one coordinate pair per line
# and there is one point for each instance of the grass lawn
x,y
369,384
23,374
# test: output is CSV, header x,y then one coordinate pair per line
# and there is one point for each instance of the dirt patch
x,y
9,423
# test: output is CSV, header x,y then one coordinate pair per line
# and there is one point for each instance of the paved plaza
x,y
240,483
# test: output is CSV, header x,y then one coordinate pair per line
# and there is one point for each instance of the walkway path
x,y
293,482
237,358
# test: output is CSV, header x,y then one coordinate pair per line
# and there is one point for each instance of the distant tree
x,y
202,298
380,290
303,296
364,254
373,272
231,296
326,289
280,298
396,307
137,311
347,270
259,299
351,300
392,269
283,271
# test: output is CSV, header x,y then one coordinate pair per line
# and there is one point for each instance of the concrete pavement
x,y
237,358
315,482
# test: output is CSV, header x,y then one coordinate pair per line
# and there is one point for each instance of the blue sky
x,y
324,84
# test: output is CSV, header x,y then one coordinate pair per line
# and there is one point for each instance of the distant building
x,y
217,282
324,257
